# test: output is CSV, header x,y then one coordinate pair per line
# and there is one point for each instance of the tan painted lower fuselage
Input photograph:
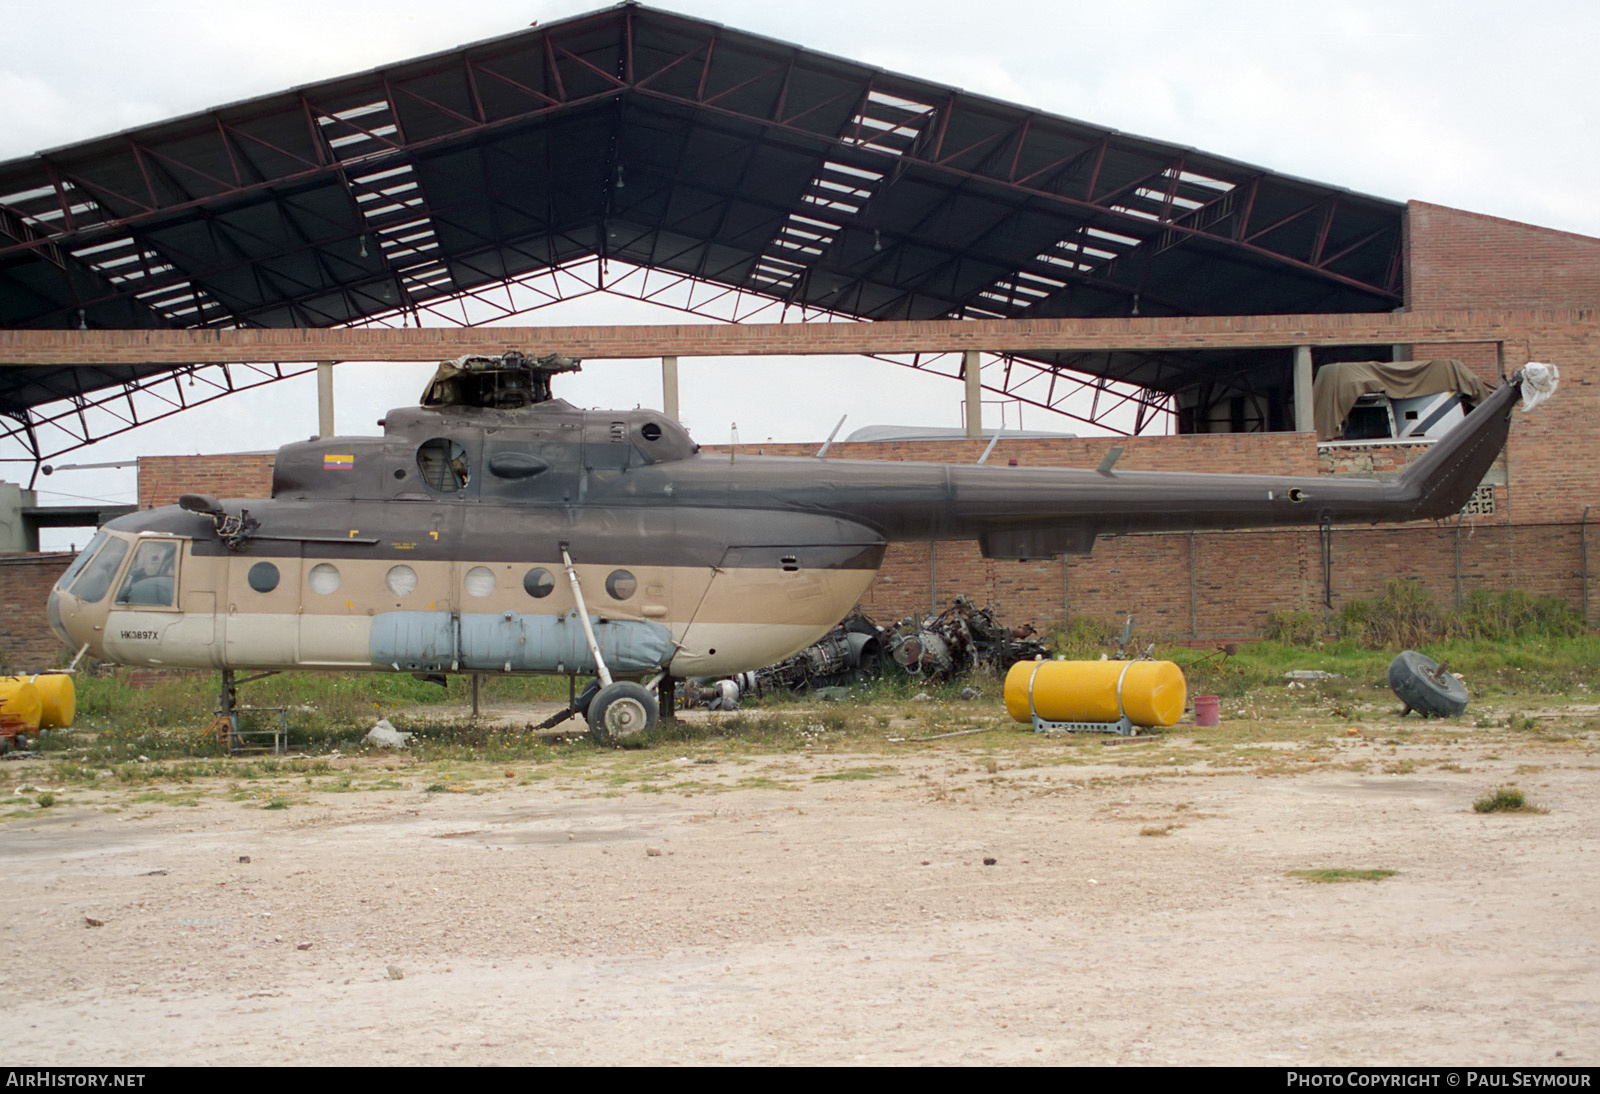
x,y
721,620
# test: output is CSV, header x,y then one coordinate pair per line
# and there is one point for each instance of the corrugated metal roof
x,y
664,143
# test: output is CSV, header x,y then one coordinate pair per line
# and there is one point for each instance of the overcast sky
x,y
1490,107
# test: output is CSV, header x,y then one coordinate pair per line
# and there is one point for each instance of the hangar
x,y
640,152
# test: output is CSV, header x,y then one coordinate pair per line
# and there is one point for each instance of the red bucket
x,y
1206,711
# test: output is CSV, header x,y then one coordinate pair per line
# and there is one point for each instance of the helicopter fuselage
x,y
444,544
439,548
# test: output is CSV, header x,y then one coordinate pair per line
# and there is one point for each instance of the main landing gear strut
x,y
617,710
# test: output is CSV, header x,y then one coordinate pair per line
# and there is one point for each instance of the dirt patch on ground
x,y
1020,901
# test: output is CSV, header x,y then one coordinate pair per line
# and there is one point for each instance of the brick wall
x,y
1264,453
1485,321
162,479
1222,585
1456,259
27,644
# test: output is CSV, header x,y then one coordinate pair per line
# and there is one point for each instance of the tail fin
x,y
1443,480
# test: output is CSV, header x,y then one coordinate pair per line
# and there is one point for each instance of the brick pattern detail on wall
x,y
162,479
27,644
1456,259
1485,321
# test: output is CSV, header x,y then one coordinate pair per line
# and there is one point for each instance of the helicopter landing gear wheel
x,y
621,712
1426,686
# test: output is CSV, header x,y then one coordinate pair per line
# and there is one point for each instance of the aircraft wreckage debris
x,y
958,641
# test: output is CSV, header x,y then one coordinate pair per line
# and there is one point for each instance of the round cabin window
x,y
400,580
479,581
263,577
538,583
621,584
323,578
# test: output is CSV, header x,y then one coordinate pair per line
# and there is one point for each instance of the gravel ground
x,y
939,902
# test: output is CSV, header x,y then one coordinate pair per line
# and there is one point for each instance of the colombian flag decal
x,y
333,462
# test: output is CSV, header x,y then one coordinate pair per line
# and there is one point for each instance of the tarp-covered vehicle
x,y
1392,400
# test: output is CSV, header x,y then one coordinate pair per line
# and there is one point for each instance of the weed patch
x,y
761,782
1504,799
1294,628
851,773
189,797
1341,874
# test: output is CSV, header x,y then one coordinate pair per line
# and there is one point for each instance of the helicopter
x,y
495,528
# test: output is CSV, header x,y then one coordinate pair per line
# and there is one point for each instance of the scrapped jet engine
x,y
953,643
960,639
851,651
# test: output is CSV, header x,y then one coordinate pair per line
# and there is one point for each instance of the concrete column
x,y
325,398
1303,421
669,387
974,397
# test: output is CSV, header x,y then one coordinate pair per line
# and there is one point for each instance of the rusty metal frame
x,y
81,418
776,93
1021,377
1013,134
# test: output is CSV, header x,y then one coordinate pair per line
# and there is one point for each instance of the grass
x,y
162,797
851,773
1537,664
125,747
1337,874
1502,643
327,712
1535,652
1504,799
1405,615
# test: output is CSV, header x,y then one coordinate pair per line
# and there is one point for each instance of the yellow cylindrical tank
x,y
59,697
46,701
1150,693
19,699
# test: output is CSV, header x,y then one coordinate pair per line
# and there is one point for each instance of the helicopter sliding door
x,y
261,608
195,637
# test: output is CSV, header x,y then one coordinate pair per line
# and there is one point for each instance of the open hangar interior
x,y
644,153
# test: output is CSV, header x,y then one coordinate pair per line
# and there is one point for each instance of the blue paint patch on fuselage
x,y
512,642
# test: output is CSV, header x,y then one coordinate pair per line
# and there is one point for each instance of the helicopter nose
x,y
56,613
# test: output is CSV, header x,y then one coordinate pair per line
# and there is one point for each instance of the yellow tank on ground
x,y
45,701
1150,693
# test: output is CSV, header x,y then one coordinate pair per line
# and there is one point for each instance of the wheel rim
x,y
625,717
